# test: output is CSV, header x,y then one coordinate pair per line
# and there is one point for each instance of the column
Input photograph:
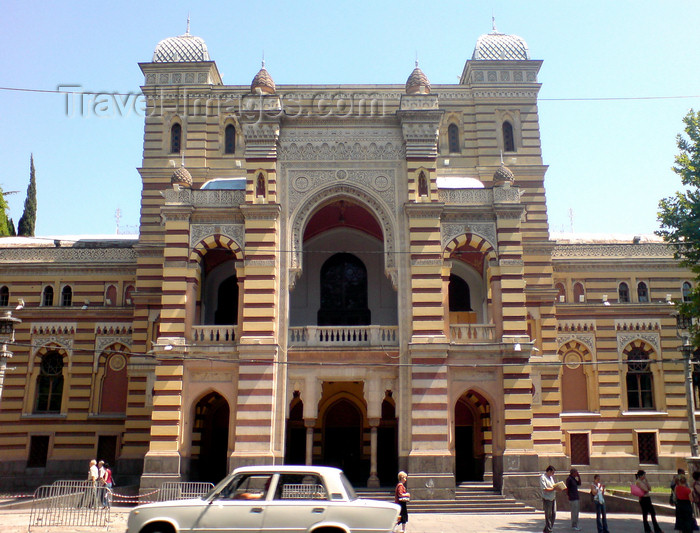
x,y
373,480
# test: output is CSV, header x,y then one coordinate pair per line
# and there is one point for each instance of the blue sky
x,y
609,160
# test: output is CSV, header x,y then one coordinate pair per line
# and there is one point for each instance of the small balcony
x,y
343,336
211,335
472,333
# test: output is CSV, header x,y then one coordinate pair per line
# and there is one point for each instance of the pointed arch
x,y
473,434
215,240
305,211
111,380
578,378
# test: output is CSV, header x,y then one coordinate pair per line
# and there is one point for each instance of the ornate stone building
x,y
359,276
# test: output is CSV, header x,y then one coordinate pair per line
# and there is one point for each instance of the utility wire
x,y
566,99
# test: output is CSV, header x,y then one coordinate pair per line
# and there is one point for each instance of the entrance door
x,y
342,440
210,434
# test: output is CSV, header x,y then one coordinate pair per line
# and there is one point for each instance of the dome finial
x,y
263,59
501,157
188,24
493,22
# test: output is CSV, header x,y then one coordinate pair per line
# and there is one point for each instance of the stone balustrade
x,y
341,336
471,333
214,334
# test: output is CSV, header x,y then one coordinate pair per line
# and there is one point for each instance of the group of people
x,y
682,496
100,475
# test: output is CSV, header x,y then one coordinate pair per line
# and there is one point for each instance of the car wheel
x,y
160,527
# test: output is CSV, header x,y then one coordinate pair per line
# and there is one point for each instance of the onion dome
x,y
503,177
262,82
183,49
417,82
497,46
181,176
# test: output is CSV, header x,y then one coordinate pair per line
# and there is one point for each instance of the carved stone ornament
x,y
104,341
68,255
342,143
587,339
233,231
381,182
208,198
623,339
487,231
306,209
613,250
482,197
212,377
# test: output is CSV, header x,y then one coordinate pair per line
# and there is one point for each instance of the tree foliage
x,y
26,224
4,221
679,215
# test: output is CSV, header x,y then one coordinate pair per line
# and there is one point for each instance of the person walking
x,y
90,497
549,498
645,502
598,493
573,482
685,521
402,497
108,483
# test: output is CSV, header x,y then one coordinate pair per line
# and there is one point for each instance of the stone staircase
x,y
470,497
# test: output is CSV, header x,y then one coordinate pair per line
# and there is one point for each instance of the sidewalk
x,y
14,521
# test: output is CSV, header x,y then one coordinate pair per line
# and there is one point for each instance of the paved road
x,y
17,521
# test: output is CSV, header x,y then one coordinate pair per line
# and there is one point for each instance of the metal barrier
x,y
185,490
70,503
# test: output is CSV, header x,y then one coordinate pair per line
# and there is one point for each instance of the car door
x,y
299,502
238,508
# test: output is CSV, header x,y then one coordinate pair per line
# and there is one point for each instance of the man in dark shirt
x,y
572,485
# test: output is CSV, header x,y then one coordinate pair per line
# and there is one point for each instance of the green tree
x,y
4,221
679,216
26,224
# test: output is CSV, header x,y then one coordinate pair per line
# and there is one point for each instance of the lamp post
x,y
7,335
682,324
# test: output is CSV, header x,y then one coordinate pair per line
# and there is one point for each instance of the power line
x,y
563,99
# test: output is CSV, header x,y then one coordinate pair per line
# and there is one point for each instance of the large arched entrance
x,y
342,440
472,437
388,443
210,439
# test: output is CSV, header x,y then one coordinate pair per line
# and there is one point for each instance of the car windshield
x,y
348,487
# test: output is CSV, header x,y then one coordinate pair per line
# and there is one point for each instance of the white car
x,y
270,499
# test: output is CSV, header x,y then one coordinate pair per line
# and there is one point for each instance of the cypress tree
x,y
4,222
11,228
28,220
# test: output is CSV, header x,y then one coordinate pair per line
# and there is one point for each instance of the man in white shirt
x,y
549,498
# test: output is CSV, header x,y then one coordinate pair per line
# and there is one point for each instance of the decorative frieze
x,y
486,230
623,339
634,324
69,255
619,250
199,232
357,151
207,198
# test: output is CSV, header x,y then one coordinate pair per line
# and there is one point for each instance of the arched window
x,y
422,184
227,302
111,296
47,297
66,296
640,380
114,385
49,387
260,185
4,296
175,138
508,139
343,292
128,295
687,290
623,293
459,297
642,292
230,139
453,138
579,293
561,292
573,384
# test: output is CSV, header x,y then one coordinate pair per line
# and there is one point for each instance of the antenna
x,y
571,220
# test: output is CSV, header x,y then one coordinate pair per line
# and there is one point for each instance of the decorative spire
x,y
493,22
188,24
